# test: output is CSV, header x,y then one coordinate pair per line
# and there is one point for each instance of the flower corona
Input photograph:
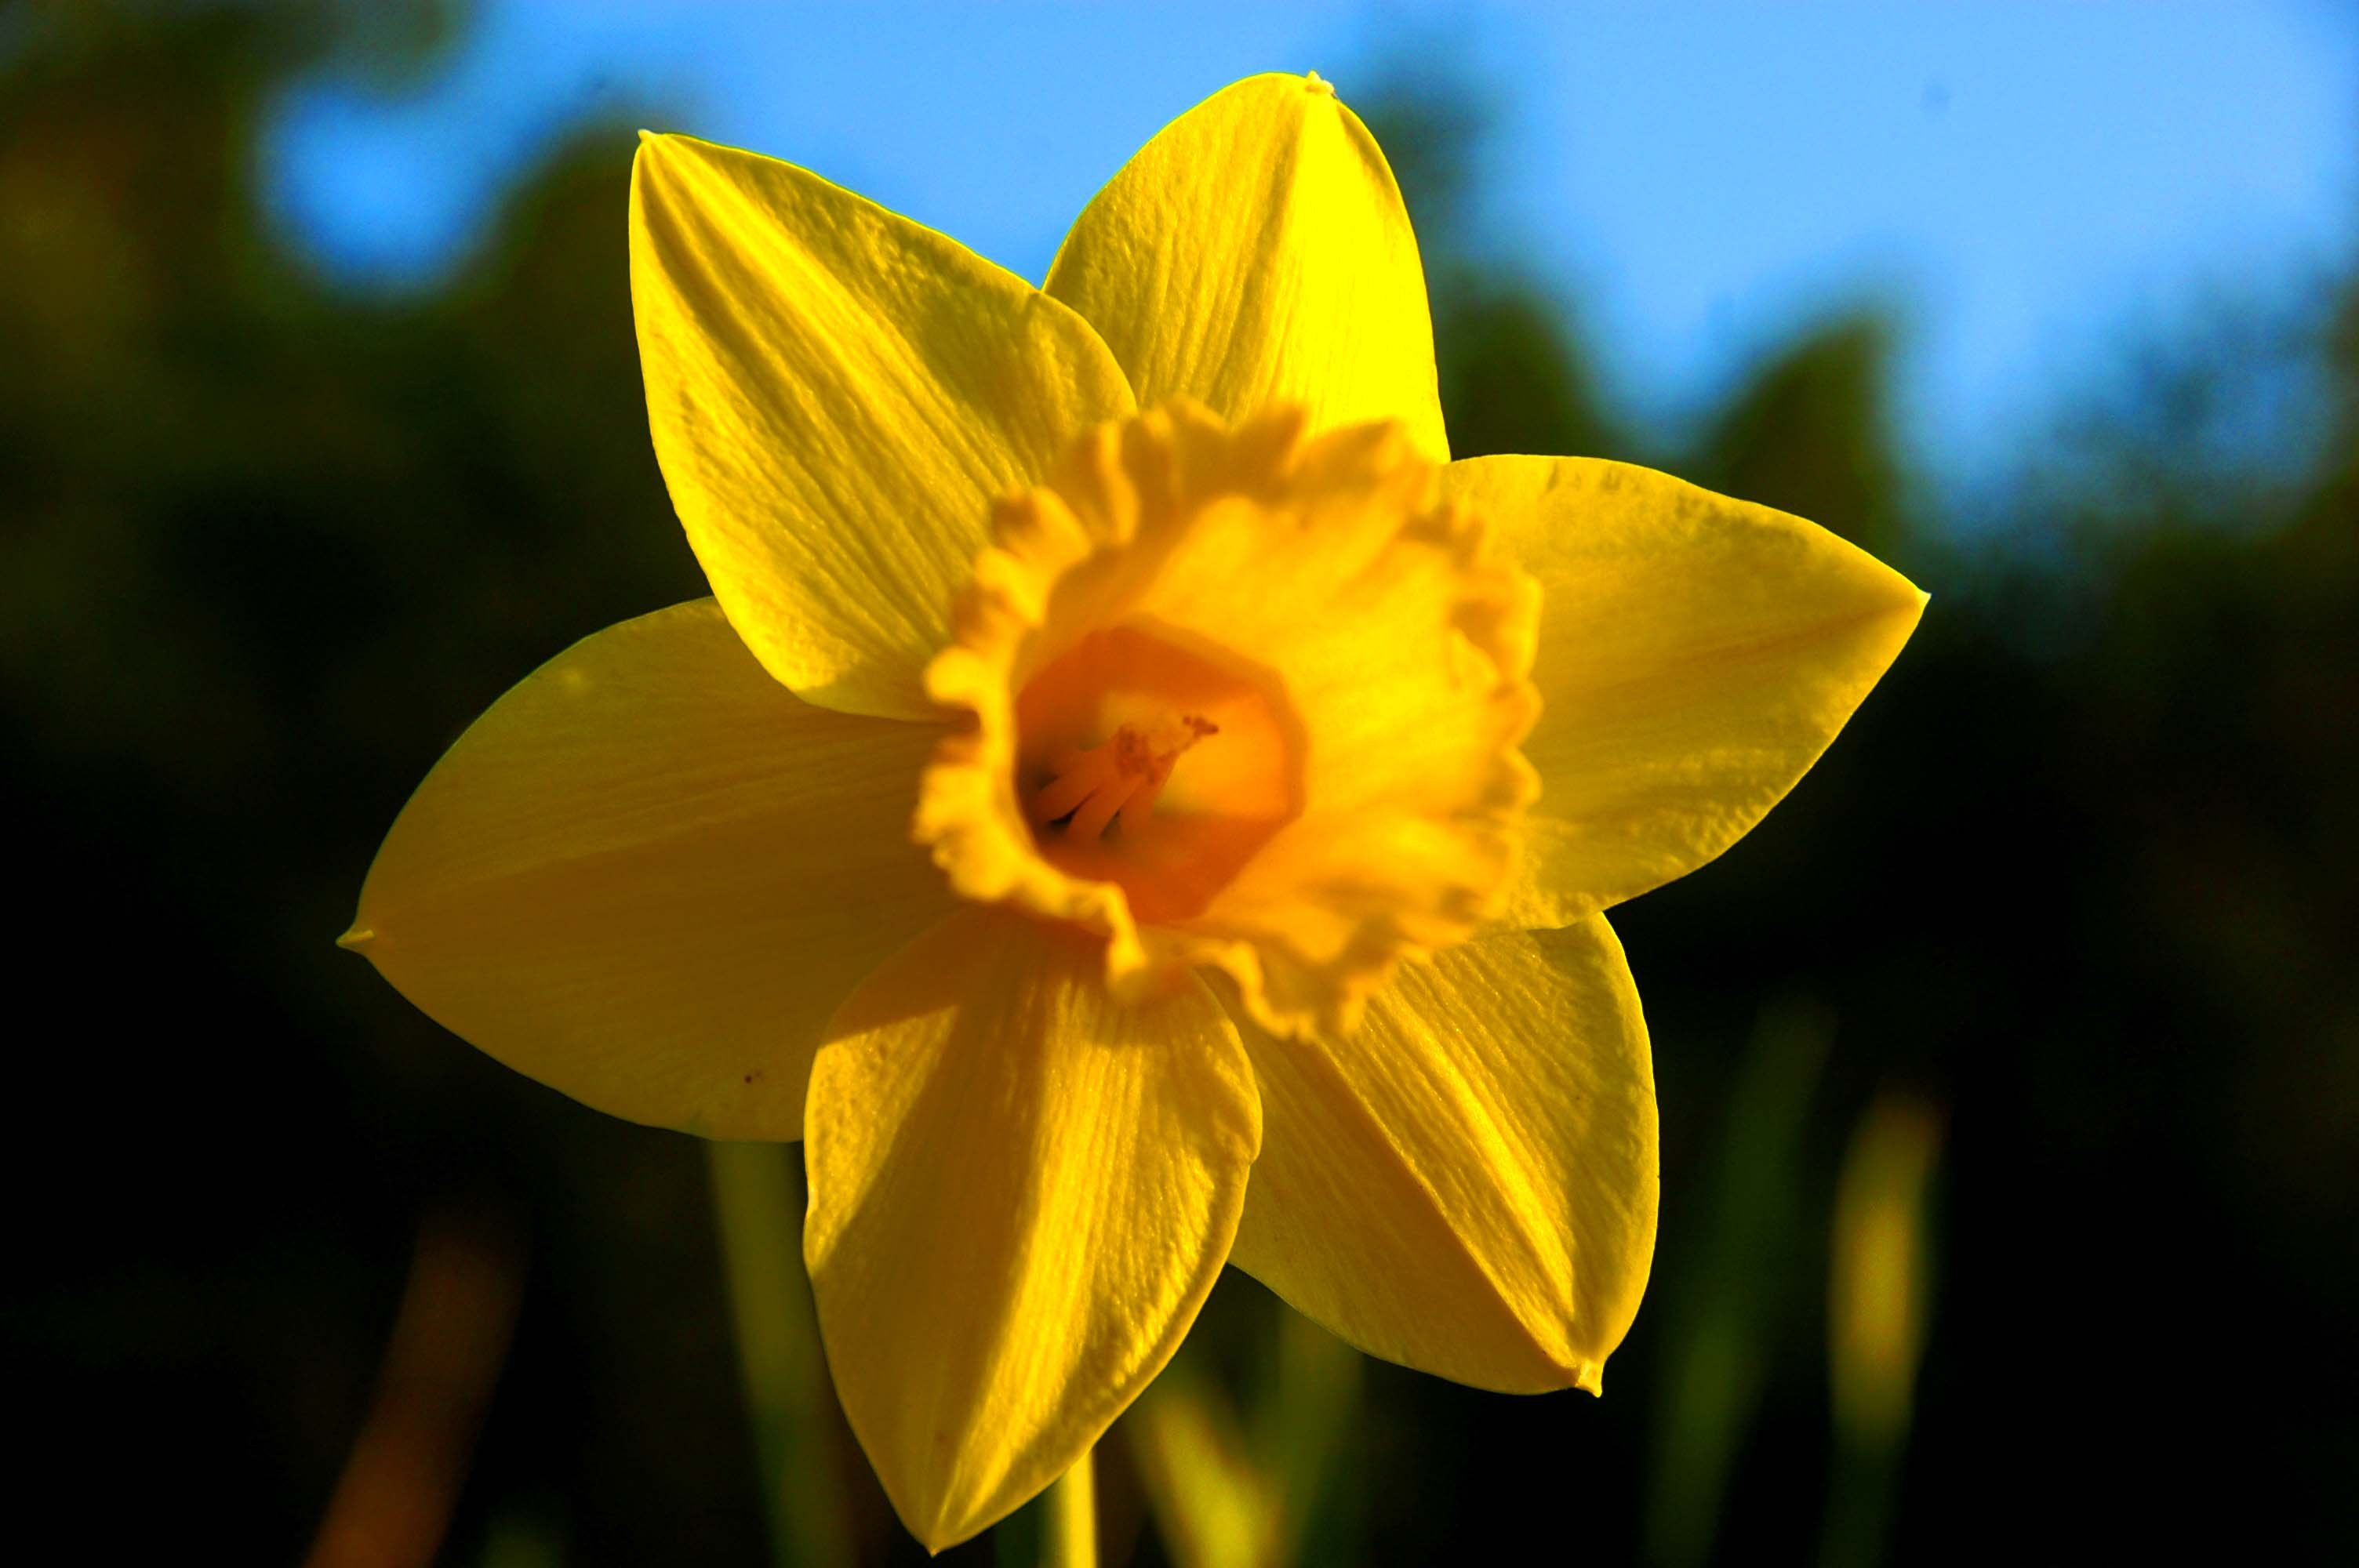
x,y
1312,603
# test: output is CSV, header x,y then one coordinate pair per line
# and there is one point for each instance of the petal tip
x,y
1908,606
1902,596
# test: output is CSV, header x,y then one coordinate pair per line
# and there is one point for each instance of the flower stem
x,y
758,1207
1069,1537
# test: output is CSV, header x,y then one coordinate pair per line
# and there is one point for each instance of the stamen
x,y
1091,820
1120,778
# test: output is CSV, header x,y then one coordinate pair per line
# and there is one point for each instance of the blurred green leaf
x,y
1732,1278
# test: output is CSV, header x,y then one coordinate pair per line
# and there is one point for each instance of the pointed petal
x,y
836,395
1256,250
1467,1185
1020,1194
649,872
1696,656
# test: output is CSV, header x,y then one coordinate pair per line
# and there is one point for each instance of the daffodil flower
x,y
1131,805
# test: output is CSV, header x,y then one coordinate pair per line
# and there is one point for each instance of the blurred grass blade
x,y
450,1339
1300,1429
1210,1507
1228,1492
1735,1287
1879,1283
758,1204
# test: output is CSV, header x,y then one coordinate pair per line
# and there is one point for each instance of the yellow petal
x,y
1696,656
649,872
1467,1185
1255,251
1021,1192
836,395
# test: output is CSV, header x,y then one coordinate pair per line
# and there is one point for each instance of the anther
x,y
1120,779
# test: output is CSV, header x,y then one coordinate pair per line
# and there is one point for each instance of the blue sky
x,y
2028,184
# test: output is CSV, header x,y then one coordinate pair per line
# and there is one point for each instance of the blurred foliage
x,y
1233,1488
2085,872
1719,1346
1811,435
1878,1290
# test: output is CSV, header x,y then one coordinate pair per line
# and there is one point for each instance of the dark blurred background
x,y
2024,1037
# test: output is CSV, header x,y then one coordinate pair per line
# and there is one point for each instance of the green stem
x,y
1069,1538
758,1204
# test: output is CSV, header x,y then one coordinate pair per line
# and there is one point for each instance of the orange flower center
x,y
1092,789
1100,736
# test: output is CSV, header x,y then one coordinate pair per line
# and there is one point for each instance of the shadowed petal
x,y
1467,1185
